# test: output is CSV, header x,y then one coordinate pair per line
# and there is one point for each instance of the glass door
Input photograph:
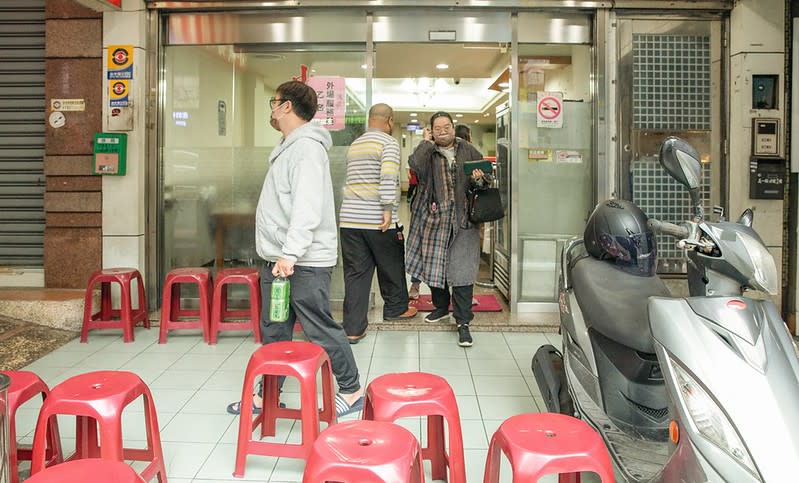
x,y
216,135
554,113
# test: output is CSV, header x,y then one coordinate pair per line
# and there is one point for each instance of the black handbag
x,y
485,205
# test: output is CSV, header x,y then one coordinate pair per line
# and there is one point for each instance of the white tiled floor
x,y
192,383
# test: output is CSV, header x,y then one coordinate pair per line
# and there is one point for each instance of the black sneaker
x,y
464,336
438,315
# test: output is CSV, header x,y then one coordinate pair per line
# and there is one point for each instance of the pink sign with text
x,y
331,106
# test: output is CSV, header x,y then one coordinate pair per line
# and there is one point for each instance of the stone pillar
x,y
73,197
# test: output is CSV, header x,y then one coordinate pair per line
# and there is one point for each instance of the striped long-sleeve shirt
x,y
372,186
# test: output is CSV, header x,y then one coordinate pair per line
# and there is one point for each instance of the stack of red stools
x,y
220,312
173,316
88,470
394,396
365,452
97,400
302,360
125,317
544,443
26,385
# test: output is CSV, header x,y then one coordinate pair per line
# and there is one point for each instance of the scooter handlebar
x,y
666,228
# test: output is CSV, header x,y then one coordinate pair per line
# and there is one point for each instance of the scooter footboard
x,y
550,375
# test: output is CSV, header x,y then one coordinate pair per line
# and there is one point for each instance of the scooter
x,y
696,389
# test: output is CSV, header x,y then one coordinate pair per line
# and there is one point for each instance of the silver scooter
x,y
697,389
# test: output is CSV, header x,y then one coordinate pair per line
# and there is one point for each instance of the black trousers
x,y
461,301
310,302
362,251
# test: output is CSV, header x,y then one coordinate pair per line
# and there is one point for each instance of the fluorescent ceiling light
x,y
442,66
458,115
504,84
363,66
413,114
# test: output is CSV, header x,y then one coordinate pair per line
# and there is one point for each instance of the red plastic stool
x,y
544,443
98,399
126,317
87,470
365,452
26,385
394,396
219,308
171,312
302,360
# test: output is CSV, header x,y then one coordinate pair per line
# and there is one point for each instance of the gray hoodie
x,y
296,216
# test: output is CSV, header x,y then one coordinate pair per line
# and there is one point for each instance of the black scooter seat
x,y
613,302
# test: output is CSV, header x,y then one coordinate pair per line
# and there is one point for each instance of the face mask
x,y
274,124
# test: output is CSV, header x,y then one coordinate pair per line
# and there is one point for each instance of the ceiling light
x,y
413,114
458,115
486,114
442,66
455,121
504,84
363,66
476,121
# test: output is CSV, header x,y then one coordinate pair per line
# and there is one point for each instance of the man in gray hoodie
x,y
295,233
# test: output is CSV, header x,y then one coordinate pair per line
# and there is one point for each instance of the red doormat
x,y
485,303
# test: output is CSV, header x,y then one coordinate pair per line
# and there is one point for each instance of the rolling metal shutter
x,y
22,110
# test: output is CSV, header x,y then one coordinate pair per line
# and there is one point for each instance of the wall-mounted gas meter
x,y
765,137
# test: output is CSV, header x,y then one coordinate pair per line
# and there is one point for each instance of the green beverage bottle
x,y
279,303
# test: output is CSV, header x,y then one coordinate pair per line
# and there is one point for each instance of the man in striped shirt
x,y
371,236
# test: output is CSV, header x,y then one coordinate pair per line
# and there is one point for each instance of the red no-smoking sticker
x,y
549,109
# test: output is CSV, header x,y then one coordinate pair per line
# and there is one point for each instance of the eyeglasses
x,y
279,102
442,129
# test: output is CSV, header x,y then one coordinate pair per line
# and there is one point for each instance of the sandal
x,y
235,408
343,408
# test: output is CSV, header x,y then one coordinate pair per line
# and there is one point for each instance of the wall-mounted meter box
x,y
765,137
110,150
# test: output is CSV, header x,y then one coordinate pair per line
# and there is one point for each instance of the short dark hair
x,y
464,132
302,97
440,114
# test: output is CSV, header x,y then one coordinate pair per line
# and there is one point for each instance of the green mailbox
x,y
110,150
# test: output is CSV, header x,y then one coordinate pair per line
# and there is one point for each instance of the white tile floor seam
x,y
192,383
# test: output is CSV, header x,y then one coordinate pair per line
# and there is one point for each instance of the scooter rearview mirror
x,y
681,161
747,217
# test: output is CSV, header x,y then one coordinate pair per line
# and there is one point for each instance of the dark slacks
x,y
310,302
461,301
362,251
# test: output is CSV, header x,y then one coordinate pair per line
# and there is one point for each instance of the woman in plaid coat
x,y
443,248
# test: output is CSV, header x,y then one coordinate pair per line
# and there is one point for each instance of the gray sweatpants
x,y
310,290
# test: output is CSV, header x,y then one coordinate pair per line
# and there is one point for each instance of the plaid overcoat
x,y
443,245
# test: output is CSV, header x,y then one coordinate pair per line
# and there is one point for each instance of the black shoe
x,y
464,336
438,315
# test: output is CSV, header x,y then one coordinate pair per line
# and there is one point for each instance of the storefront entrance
x,y
522,82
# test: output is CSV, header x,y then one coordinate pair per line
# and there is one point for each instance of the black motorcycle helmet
x,y
617,231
